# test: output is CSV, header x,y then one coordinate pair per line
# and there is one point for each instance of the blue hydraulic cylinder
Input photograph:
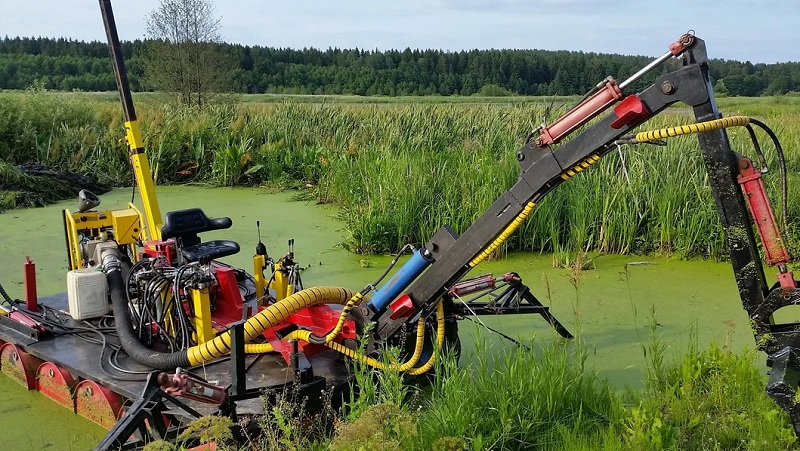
x,y
401,280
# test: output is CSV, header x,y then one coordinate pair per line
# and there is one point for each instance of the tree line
x,y
65,64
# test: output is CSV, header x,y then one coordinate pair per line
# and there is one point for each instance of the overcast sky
x,y
765,31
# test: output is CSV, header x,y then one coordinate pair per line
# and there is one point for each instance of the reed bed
x,y
399,172
546,399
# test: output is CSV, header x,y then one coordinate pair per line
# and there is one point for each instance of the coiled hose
x,y
220,345
407,366
330,336
701,127
521,217
260,348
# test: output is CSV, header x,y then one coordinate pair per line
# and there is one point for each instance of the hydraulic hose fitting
x,y
110,259
684,42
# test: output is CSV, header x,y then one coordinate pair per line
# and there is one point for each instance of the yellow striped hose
x,y
578,168
701,127
261,348
487,251
408,365
355,300
258,348
526,211
269,317
732,121
439,341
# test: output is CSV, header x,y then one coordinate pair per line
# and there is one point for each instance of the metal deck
x,y
82,358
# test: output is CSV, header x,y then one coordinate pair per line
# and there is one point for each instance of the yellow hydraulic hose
x,y
262,348
487,251
408,365
269,317
258,348
732,121
439,340
716,124
355,300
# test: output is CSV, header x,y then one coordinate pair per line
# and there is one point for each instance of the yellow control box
x,y
127,226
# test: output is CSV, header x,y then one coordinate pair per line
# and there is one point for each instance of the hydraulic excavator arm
x,y
450,257
736,186
88,231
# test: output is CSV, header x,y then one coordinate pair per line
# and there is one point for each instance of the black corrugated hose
x,y
127,337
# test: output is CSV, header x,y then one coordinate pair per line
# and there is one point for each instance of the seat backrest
x,y
186,224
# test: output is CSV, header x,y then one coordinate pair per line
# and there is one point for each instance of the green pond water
x,y
610,306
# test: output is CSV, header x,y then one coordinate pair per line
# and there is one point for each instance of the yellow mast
x,y
133,135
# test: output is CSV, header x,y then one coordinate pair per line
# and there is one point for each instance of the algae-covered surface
x,y
31,421
611,307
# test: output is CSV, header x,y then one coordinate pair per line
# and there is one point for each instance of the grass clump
x,y
450,444
378,428
288,424
711,399
160,445
547,400
209,429
543,399
511,399
517,400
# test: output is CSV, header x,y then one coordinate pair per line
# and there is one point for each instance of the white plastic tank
x,y
87,292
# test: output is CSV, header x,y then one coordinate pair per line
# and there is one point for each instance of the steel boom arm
x,y
544,169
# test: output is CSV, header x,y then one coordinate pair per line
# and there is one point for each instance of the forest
x,y
69,65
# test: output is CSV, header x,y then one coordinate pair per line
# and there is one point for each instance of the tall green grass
x,y
546,399
401,171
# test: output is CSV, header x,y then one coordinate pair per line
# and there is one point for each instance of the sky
x,y
760,31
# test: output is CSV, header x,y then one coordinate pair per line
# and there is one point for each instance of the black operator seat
x,y
184,225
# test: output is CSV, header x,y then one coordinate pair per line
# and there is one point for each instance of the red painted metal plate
x,y
97,403
205,447
56,383
19,365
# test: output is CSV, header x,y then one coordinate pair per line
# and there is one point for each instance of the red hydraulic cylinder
x,y
183,384
581,113
481,283
31,299
605,94
756,196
